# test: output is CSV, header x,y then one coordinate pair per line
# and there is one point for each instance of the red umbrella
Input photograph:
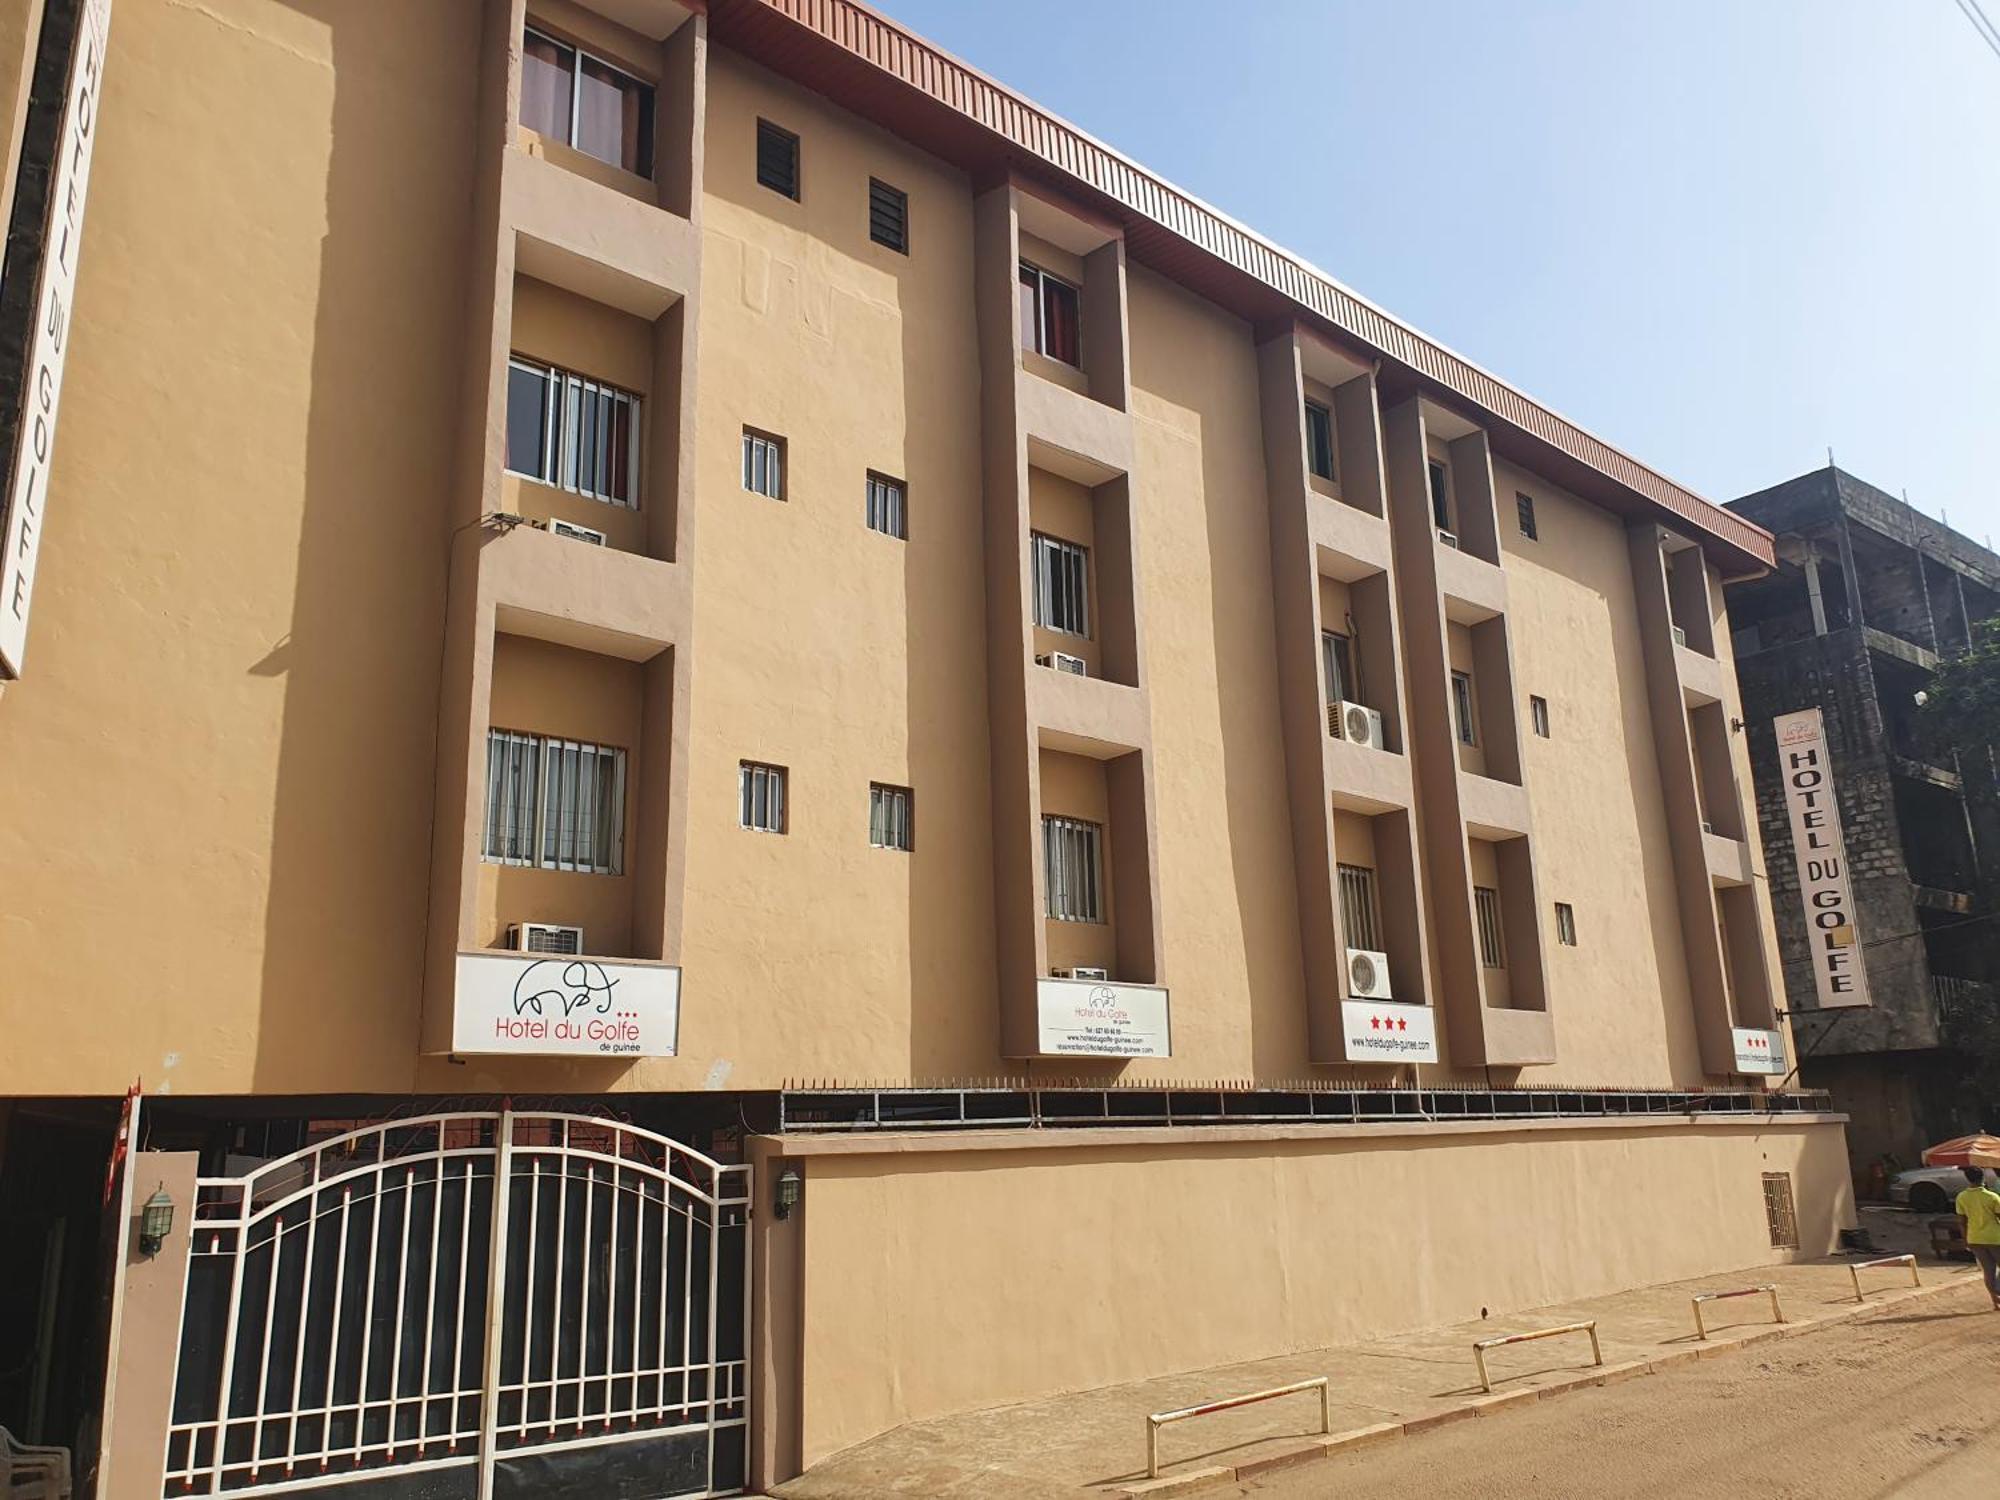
x,y
1960,1152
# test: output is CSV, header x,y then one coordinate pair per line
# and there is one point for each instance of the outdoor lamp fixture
x,y
156,1221
790,1185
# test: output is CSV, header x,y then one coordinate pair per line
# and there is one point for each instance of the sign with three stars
x,y
1384,1031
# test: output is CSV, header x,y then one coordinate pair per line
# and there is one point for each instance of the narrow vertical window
x,y
1538,714
548,85
1062,585
1319,439
1440,496
763,464
1461,708
1486,906
888,216
886,506
1780,1217
1565,924
760,795
1524,508
1337,653
1051,315
530,434
1360,913
889,823
778,159
1071,873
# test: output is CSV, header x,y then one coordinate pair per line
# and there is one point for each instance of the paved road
x,y
1906,1404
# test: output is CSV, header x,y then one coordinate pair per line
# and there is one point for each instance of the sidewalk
x,y
1093,1443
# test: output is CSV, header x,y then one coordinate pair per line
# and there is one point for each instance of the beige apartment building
x,y
747,743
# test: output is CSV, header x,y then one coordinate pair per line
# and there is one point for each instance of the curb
x,y
1723,1341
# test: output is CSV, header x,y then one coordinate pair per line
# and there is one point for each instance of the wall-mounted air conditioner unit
x,y
1706,826
1367,974
1449,538
576,533
1089,973
544,937
1356,723
1680,636
1062,661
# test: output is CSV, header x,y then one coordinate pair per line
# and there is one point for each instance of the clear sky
x,y
1721,234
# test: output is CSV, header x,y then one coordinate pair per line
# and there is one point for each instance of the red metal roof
x,y
868,64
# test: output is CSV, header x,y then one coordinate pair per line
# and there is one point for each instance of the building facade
x,y
1868,595
693,671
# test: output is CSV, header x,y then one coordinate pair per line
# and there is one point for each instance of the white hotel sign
x,y
48,338
1098,1018
1806,765
539,1005
1385,1031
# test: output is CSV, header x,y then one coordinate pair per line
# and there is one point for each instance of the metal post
x,y
496,1287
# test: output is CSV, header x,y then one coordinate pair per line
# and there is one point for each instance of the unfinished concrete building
x,y
1869,594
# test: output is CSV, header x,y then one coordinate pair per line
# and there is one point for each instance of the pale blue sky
x,y
1721,234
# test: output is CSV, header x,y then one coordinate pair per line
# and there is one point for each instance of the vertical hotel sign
x,y
48,337
1807,768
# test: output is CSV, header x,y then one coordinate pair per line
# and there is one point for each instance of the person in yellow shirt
x,y
1979,1221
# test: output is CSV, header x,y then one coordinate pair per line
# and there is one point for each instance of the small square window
x,y
778,159
887,507
1319,440
1538,714
763,464
1524,507
890,825
888,216
760,797
1565,924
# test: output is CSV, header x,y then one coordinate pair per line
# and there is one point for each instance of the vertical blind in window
x,y
763,465
1051,315
1319,439
760,792
1486,907
885,506
1070,852
1360,916
777,159
583,102
888,216
1062,585
555,803
1461,708
889,816
578,434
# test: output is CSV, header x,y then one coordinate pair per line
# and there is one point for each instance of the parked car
x,y
1927,1190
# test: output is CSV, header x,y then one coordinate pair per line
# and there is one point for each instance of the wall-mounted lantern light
x,y
786,1198
156,1221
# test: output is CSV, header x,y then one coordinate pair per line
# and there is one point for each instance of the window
x,y
778,159
1319,439
1538,714
1440,496
1360,916
572,97
1051,313
889,817
556,803
1070,869
885,506
576,433
1337,653
760,797
1461,708
1779,1215
1524,507
888,216
1565,924
763,464
1062,585
1486,907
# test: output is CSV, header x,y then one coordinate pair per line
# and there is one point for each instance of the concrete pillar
x,y
145,1344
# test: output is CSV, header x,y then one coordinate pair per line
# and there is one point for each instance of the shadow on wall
x,y
350,850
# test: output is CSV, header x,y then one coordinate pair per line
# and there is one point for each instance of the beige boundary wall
x,y
922,1276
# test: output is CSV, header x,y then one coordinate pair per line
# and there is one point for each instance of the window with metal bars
x,y
1319,439
575,433
1565,924
778,159
886,506
1461,708
1071,870
1486,907
556,803
584,102
1062,585
889,821
1051,315
1524,509
1360,913
888,216
763,464
760,797
1779,1215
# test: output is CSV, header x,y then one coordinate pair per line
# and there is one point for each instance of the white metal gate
x,y
478,1306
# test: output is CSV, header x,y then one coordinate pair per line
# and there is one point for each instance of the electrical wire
x,y
1988,33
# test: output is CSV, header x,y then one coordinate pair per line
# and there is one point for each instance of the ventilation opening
x,y
1778,1213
